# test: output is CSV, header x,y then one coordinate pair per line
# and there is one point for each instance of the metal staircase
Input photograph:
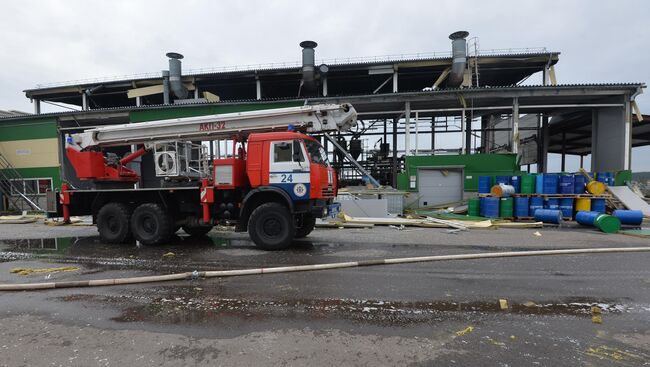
x,y
12,186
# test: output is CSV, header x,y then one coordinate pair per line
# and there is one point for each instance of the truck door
x,y
289,168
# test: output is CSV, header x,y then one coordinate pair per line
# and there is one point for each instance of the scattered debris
x,y
28,271
536,233
503,303
169,254
465,331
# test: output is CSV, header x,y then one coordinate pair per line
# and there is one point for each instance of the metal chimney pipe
x,y
459,58
175,78
308,64
165,77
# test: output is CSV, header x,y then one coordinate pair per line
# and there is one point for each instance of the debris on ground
x,y
465,331
28,271
169,254
503,303
18,219
536,233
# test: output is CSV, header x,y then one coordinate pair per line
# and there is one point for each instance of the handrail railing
x,y
291,64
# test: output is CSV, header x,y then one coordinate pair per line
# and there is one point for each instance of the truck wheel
x,y
308,224
151,224
197,231
271,226
113,223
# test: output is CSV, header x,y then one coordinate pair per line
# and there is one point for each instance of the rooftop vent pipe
x,y
459,58
308,73
175,79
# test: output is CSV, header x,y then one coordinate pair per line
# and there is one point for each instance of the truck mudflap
x,y
326,211
333,210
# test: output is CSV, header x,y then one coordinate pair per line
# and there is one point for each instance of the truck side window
x,y
282,152
297,152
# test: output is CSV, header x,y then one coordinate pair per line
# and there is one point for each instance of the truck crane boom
x,y
312,119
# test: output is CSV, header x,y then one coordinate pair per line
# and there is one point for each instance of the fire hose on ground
x,y
299,268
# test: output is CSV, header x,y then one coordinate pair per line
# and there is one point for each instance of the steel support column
x,y
407,129
433,135
468,134
394,168
563,161
515,125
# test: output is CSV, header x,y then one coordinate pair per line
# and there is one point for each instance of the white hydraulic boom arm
x,y
314,119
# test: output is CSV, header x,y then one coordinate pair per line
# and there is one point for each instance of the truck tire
x,y
308,224
271,226
113,223
151,224
197,231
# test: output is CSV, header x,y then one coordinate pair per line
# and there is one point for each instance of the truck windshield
x,y
316,153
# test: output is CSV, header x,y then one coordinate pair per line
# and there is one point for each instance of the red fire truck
x,y
274,183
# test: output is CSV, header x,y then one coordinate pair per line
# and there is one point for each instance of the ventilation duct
x,y
175,78
308,83
459,58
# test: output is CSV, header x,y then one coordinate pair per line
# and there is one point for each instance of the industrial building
x,y
406,105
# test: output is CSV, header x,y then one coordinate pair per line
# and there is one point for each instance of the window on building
x,y
31,186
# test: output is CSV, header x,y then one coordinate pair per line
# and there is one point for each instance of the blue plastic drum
x,y
579,183
566,184
630,217
566,207
598,205
552,204
484,184
548,216
489,207
521,207
586,218
535,203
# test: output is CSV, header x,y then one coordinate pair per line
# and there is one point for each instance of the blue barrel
x,y
552,204
502,180
548,215
516,182
484,184
631,217
566,206
551,184
490,207
586,218
566,184
579,183
521,206
539,184
535,203
598,205
602,177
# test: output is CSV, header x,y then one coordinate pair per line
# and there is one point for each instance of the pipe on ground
x,y
288,269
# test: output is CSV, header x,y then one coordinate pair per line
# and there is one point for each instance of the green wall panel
x,y
25,129
474,165
177,112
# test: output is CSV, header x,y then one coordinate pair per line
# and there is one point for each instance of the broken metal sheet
x,y
629,199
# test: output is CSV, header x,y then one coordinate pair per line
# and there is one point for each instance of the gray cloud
x,y
49,41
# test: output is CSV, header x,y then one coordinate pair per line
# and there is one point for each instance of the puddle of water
x,y
196,308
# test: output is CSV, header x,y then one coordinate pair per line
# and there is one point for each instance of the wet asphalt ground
x,y
425,314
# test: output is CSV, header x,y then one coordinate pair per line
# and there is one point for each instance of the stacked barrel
x,y
557,196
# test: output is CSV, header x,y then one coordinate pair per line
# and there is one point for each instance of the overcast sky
x,y
53,41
